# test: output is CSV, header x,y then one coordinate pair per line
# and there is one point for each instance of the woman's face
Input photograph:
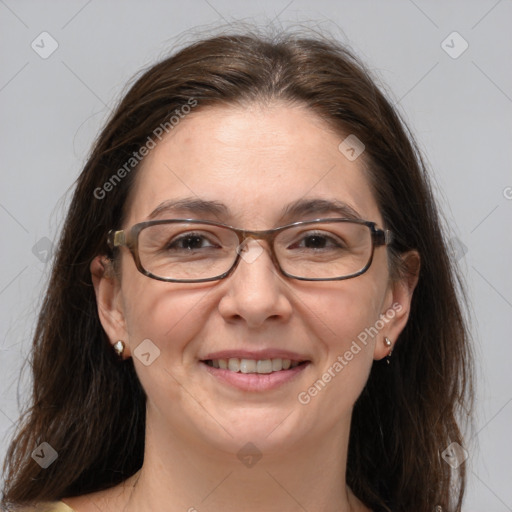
x,y
256,162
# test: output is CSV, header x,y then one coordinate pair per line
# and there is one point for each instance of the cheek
x,y
170,317
166,313
351,339
344,324
345,310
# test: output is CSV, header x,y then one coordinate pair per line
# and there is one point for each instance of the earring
x,y
119,348
388,343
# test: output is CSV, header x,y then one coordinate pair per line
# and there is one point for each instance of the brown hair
x,y
91,408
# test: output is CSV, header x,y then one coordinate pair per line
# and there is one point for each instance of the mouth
x,y
255,374
259,366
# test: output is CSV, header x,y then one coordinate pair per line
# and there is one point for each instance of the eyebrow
x,y
295,210
317,206
190,205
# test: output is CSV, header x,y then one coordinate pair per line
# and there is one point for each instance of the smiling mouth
x,y
261,366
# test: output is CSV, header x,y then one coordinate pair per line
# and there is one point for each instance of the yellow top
x,y
54,506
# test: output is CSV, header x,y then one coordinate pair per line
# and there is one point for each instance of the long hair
x,y
91,408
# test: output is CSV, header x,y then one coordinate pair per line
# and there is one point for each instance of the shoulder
x,y
49,506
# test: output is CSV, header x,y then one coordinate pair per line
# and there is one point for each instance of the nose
x,y
255,291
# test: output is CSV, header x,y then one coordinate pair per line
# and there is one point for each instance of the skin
x,y
255,160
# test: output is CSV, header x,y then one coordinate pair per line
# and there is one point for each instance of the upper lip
x,y
256,354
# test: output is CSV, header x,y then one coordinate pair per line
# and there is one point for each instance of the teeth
x,y
277,364
234,364
247,366
253,366
264,366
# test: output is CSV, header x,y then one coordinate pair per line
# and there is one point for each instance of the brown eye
x,y
190,242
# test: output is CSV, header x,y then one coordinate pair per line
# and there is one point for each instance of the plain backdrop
x,y
454,90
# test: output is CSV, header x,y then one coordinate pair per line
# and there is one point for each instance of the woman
x,y
252,304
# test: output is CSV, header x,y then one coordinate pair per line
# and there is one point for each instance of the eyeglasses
x,y
195,251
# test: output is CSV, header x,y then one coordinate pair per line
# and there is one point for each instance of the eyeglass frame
x,y
130,238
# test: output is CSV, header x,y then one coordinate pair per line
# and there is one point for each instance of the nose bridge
x,y
267,237
255,292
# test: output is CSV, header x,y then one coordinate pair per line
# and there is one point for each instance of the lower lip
x,y
255,381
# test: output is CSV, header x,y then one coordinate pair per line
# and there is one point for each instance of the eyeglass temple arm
x,y
116,238
382,236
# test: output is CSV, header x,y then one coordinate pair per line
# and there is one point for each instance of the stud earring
x,y
119,348
388,344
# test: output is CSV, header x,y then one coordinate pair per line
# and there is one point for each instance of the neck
x,y
183,474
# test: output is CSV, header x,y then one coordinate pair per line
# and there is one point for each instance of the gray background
x,y
459,109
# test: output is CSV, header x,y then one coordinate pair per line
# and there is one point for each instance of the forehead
x,y
255,160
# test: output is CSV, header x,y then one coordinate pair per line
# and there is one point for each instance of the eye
x,y
318,240
190,242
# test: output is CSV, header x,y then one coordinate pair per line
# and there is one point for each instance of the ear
x,y
108,298
397,304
